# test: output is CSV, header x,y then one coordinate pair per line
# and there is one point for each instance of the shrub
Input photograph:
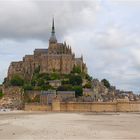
x,y
54,76
76,69
1,94
28,87
64,82
75,80
88,77
5,80
46,77
106,83
46,87
33,82
17,81
65,88
78,90
40,82
87,85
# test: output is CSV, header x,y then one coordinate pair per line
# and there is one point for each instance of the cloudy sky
x,y
106,32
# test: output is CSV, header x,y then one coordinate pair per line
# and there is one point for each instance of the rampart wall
x,y
87,107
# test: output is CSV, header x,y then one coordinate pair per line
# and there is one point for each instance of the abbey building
x,y
57,58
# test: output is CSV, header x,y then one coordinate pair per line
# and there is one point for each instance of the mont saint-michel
x,y
57,58
69,70
54,76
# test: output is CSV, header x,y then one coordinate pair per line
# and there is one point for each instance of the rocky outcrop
x,y
11,103
12,98
102,93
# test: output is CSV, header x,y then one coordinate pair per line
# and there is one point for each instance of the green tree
x,y
40,82
5,80
33,82
106,83
75,80
78,90
88,77
76,69
54,76
87,85
46,77
64,82
46,87
1,94
17,81
64,88
28,87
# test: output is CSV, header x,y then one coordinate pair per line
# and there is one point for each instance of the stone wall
x,y
128,106
36,107
32,93
88,107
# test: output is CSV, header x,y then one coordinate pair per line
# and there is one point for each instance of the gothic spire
x,y
53,28
53,38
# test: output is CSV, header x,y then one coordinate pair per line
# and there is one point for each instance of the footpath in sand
x,y
69,126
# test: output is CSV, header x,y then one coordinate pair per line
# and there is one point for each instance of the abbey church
x,y
57,58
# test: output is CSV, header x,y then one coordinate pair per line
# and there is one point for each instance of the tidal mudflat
x,y
69,126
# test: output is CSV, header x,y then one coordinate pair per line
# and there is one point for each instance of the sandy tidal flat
x,y
69,126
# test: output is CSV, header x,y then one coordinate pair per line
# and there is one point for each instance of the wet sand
x,y
69,126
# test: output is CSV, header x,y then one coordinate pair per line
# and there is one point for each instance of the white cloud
x,y
32,19
110,44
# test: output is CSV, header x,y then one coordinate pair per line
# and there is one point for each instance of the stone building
x,y
87,92
46,97
57,58
66,95
55,83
